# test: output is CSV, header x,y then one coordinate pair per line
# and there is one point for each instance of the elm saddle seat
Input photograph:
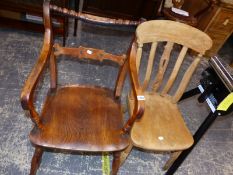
x,y
161,119
68,112
78,117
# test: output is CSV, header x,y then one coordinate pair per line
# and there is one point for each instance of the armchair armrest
x,y
139,105
26,97
31,82
27,92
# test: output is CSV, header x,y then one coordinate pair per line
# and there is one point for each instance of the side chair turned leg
x,y
172,159
36,159
125,153
115,163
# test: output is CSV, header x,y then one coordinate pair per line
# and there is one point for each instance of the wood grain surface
x,y
81,118
161,127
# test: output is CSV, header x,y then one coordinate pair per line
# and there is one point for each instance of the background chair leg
x,y
172,158
36,159
125,153
124,108
115,163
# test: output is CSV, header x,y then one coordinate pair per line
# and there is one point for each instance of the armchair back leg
x,y
115,163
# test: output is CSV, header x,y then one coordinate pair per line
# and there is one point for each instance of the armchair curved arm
x,y
139,105
30,84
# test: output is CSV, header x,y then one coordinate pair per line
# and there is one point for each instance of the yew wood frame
x,y
32,80
48,55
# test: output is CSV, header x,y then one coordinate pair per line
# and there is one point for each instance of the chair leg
x,y
75,27
125,153
171,160
36,159
115,163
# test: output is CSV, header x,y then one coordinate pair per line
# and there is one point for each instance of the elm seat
x,y
68,113
162,127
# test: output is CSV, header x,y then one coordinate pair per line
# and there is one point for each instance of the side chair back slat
x,y
186,37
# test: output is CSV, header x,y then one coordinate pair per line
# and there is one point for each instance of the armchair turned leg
x,y
171,160
36,159
115,163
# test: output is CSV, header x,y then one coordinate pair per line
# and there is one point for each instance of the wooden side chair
x,y
162,128
77,117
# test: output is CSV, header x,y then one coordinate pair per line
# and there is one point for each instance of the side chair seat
x,y
162,127
81,118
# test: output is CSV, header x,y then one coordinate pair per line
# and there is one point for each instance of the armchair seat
x,y
81,118
162,127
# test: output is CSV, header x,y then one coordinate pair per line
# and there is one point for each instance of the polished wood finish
x,y
81,118
78,117
115,163
90,53
161,127
217,22
139,105
36,160
32,80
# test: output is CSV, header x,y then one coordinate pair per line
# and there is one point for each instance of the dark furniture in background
x,y
169,14
193,18
130,9
126,9
27,15
217,21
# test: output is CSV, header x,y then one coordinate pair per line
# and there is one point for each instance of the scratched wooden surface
x,y
18,53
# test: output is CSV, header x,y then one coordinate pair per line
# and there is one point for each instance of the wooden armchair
x,y
161,127
77,117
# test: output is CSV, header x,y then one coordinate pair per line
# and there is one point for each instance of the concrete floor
x,y
18,52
